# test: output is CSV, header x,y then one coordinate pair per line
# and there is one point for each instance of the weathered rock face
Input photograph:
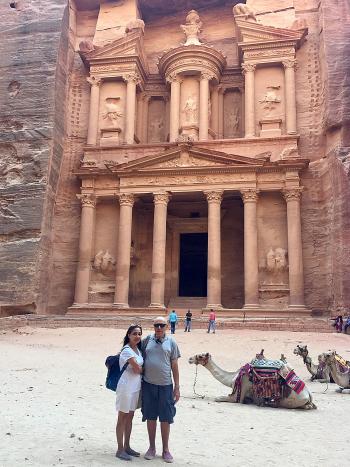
x,y
44,101
34,61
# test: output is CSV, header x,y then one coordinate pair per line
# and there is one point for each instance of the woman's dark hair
x,y
129,331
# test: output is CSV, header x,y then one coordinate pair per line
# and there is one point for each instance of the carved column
x,y
126,202
295,248
248,70
214,249
131,81
215,111
289,84
94,109
251,271
204,106
146,100
167,117
221,112
139,118
174,106
88,204
159,242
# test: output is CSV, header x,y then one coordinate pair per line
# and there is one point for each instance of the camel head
x,y
200,359
329,357
301,350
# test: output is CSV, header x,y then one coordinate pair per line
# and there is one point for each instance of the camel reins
x,y
195,382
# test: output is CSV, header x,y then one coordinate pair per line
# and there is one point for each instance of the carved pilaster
x,y
289,63
132,76
248,71
248,67
94,80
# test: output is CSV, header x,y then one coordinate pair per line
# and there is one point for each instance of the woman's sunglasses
x,y
159,325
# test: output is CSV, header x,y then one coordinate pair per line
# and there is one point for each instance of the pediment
x,y
186,157
250,32
130,45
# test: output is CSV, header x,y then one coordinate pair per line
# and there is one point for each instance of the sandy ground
x,y
55,410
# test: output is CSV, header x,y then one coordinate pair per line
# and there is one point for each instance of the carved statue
x,y
242,9
104,262
112,113
156,130
192,28
190,110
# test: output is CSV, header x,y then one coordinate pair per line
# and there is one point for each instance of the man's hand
x,y
176,393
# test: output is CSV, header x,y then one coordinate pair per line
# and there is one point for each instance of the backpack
x,y
114,372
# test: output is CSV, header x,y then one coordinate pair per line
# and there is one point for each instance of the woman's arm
x,y
135,366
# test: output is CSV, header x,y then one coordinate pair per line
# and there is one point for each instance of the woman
x,y
128,390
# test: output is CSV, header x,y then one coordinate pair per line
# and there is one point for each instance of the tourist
x,y
347,324
173,321
338,323
128,390
212,323
188,321
159,396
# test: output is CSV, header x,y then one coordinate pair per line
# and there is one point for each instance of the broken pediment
x,y
131,45
252,32
188,157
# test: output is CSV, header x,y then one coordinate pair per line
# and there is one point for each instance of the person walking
x,y
128,391
212,321
173,321
159,395
188,321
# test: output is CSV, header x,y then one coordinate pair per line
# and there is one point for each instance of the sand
x,y
55,410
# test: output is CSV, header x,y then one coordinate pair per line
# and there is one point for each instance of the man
x,y
173,321
211,324
159,396
188,321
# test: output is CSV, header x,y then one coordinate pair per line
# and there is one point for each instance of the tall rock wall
x,y
34,69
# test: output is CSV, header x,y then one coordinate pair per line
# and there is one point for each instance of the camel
x,y
318,372
303,400
339,369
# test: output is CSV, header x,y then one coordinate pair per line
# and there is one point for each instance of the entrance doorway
x,y
193,265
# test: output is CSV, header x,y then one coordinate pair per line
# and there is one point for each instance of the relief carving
x,y
241,9
192,28
156,130
112,113
275,266
191,110
270,99
104,263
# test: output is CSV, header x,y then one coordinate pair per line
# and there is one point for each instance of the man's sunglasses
x,y
159,325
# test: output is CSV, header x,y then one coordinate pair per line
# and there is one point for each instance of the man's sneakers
x,y
150,454
167,457
123,456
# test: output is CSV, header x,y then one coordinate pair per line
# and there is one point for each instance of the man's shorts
x,y
158,401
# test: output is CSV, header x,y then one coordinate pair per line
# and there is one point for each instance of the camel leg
x,y
230,398
340,390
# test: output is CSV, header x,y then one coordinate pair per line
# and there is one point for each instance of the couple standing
x,y
156,357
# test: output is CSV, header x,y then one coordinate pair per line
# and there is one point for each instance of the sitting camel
x,y
318,372
243,392
339,369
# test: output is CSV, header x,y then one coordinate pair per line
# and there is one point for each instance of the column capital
x,y
248,67
87,200
161,198
173,78
207,76
250,195
132,76
126,199
94,80
293,194
289,63
214,196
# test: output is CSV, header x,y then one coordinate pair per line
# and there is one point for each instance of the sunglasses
x,y
136,333
159,325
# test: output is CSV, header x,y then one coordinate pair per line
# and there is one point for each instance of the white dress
x,y
129,385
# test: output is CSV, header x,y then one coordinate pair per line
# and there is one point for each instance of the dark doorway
x,y
193,265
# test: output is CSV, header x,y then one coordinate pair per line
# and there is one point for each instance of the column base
x,y
251,306
77,304
157,305
214,306
121,305
297,307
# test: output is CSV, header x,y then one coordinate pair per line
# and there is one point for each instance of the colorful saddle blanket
x,y
263,363
343,364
